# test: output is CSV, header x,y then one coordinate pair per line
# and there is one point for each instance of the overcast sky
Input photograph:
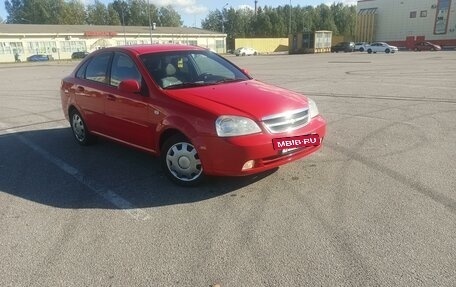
x,y
193,11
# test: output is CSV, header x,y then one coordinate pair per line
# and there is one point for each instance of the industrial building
x,y
404,22
60,41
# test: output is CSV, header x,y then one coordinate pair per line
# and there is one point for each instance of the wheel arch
x,y
71,109
171,162
168,133
173,126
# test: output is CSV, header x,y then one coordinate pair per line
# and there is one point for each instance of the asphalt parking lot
x,y
376,206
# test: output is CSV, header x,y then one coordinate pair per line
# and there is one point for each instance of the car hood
x,y
247,98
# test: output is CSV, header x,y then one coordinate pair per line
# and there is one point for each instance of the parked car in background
x,y
39,58
245,52
361,46
193,108
381,47
343,47
79,55
426,46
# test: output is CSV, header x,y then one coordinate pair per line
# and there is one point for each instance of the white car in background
x,y
361,46
245,52
381,47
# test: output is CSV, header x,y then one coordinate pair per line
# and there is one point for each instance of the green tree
x,y
113,16
97,14
261,25
344,18
169,17
73,13
34,11
236,24
213,21
138,13
278,26
15,10
45,12
123,11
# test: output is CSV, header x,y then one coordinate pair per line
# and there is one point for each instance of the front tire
x,y
387,51
369,51
361,49
180,161
79,128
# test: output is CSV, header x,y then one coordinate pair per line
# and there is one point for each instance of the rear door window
x,y
97,69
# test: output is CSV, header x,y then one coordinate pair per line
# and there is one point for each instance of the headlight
x,y
228,126
313,108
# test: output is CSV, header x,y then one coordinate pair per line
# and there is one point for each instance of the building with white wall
x,y
404,22
60,41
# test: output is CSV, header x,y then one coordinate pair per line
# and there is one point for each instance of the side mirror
x,y
129,86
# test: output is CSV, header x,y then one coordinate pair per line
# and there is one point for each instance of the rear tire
x,y
361,49
387,51
180,161
79,128
369,51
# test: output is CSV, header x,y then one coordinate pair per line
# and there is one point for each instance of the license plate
x,y
289,143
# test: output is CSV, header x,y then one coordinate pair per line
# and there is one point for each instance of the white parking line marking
x,y
96,187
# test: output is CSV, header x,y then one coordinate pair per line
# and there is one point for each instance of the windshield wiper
x,y
228,80
186,85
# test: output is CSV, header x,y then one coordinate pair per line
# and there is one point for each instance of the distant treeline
x,y
236,23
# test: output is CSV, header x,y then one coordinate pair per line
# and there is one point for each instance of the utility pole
x,y
223,18
289,22
150,21
123,24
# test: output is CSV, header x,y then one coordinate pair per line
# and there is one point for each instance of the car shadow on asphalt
x,y
48,167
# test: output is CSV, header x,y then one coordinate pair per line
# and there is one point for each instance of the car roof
x,y
154,48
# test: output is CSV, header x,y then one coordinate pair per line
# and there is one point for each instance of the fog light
x,y
248,165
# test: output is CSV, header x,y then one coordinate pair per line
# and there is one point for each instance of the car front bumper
x,y
227,156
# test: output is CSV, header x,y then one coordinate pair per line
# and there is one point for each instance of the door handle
x,y
80,89
110,97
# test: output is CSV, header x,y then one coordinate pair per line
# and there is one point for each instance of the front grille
x,y
287,121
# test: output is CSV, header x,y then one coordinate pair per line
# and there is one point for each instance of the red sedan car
x,y
427,46
197,111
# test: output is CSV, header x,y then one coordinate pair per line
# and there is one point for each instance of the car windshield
x,y
187,69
